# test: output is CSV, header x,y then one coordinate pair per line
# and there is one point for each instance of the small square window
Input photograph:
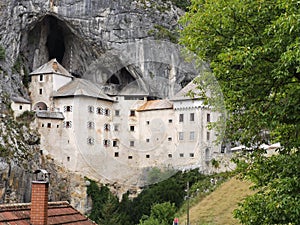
x,y
170,121
106,127
192,155
43,125
116,127
116,154
170,155
180,136
131,128
132,113
208,117
106,143
115,143
131,143
90,109
68,108
49,125
192,135
117,112
100,110
147,156
106,112
192,117
90,125
147,140
169,138
90,141
181,155
207,135
181,117
41,91
67,124
130,157
147,122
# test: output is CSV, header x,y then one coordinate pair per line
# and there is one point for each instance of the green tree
x,y
253,49
161,214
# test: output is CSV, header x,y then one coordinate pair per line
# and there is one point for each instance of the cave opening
x,y
55,40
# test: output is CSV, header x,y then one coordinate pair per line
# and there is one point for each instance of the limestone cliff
x,y
76,33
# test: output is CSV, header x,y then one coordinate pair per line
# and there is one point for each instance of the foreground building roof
x,y
58,213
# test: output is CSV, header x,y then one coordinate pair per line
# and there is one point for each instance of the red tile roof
x,y
58,213
156,105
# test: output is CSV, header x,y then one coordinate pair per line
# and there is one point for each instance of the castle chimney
x,y
39,198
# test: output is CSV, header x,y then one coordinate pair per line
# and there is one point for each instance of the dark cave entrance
x,y
55,40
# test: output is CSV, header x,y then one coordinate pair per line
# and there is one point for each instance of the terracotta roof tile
x,y
156,105
58,213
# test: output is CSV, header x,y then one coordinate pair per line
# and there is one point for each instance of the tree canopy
x,y
253,49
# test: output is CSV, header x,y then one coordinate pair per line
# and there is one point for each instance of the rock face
x,y
76,33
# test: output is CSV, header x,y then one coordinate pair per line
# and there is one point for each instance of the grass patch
x,y
217,207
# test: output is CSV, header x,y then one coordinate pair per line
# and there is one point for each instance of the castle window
x,y
130,157
48,125
208,117
106,112
41,77
43,125
131,143
147,122
147,140
90,125
169,138
207,135
67,108
192,155
90,141
180,136
68,158
170,155
106,143
147,156
192,135
116,127
192,117
67,124
41,91
117,112
132,113
181,155
57,126
106,127
115,143
90,109
116,154
181,117
170,120
131,128
20,107
100,111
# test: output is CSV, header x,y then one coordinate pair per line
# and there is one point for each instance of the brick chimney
x,y
39,198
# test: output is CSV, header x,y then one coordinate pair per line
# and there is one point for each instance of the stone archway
x,y
40,106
